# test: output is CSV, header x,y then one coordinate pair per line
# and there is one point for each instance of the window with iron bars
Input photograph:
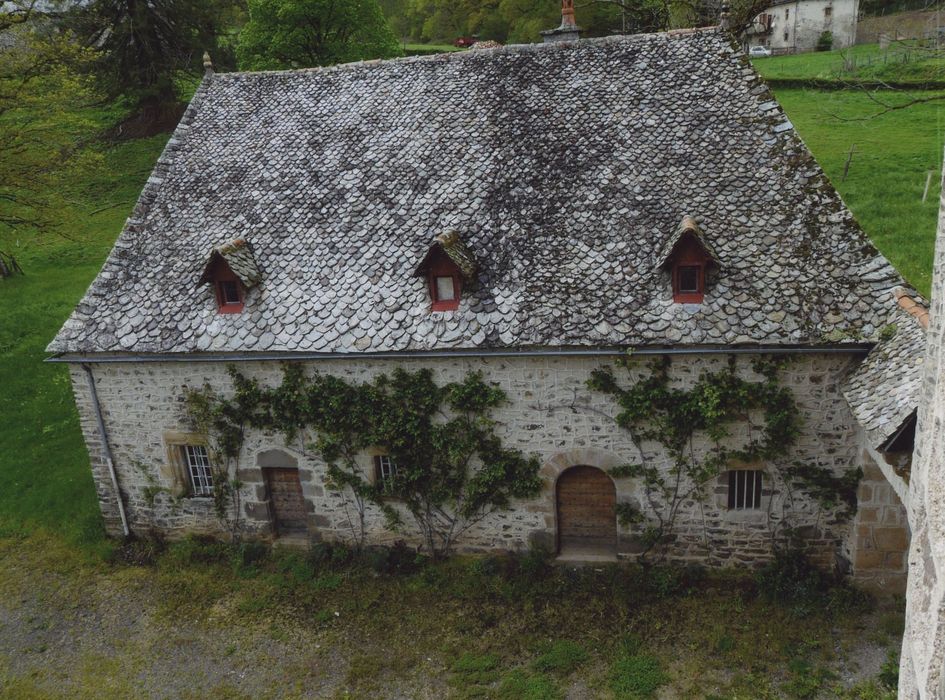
x,y
744,489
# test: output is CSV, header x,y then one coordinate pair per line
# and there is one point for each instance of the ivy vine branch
x,y
651,409
451,468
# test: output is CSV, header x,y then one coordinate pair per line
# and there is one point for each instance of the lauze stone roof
x,y
565,169
884,390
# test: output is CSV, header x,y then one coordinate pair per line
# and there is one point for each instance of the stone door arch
x,y
586,504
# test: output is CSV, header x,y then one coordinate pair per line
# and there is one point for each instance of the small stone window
x,y
385,472
787,15
199,470
828,11
785,36
689,282
744,489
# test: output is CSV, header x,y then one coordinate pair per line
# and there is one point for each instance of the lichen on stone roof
x,y
562,166
883,392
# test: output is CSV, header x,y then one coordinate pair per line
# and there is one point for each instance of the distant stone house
x,y
530,212
795,26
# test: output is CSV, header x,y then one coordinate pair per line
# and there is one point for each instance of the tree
x,y
40,126
305,33
144,44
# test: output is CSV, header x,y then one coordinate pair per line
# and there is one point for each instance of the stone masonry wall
x,y
923,649
551,413
881,532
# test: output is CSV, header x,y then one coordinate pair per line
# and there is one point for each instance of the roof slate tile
x,y
564,167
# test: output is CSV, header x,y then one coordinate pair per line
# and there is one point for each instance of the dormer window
x,y
448,265
229,296
232,271
687,255
688,279
445,289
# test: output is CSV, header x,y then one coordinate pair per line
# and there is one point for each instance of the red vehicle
x,y
464,42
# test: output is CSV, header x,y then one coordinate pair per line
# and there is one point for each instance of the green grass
x,y
901,62
43,462
894,154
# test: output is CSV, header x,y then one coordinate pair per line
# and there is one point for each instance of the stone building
x,y
795,26
922,664
530,212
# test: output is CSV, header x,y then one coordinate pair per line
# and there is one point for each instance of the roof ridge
x,y
913,305
505,48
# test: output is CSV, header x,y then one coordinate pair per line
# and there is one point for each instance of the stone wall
x,y
881,533
551,413
923,649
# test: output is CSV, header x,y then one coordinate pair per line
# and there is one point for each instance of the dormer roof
x,y
451,245
238,256
687,228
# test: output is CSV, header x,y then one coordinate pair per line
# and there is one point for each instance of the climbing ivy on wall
x,y
653,409
452,470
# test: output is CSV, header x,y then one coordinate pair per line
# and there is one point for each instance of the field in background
x,y
902,61
895,152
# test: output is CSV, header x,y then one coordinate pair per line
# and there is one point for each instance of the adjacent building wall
x,y
795,27
923,649
551,413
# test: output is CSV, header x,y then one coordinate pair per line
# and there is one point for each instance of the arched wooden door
x,y
587,518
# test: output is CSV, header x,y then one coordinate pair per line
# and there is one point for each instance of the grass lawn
x,y
43,461
900,62
887,176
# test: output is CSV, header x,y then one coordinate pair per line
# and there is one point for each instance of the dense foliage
x,y
40,88
142,45
305,33
451,468
515,21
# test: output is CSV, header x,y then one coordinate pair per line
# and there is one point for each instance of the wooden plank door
x,y
587,517
285,497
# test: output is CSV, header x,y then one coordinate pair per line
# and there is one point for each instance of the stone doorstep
x,y
585,556
294,540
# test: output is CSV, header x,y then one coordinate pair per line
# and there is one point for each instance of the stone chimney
x,y
568,31
725,17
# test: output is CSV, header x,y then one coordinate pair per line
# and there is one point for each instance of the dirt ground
x,y
73,630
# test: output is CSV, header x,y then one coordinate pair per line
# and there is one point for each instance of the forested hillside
x,y
512,21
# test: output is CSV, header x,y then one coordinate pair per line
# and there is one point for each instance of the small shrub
x,y
792,579
518,685
561,657
139,551
476,669
825,41
889,672
637,676
197,549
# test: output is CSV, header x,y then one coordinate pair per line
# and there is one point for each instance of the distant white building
x,y
795,26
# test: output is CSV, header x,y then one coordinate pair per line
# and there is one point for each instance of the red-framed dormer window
x,y
228,288
689,264
446,284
